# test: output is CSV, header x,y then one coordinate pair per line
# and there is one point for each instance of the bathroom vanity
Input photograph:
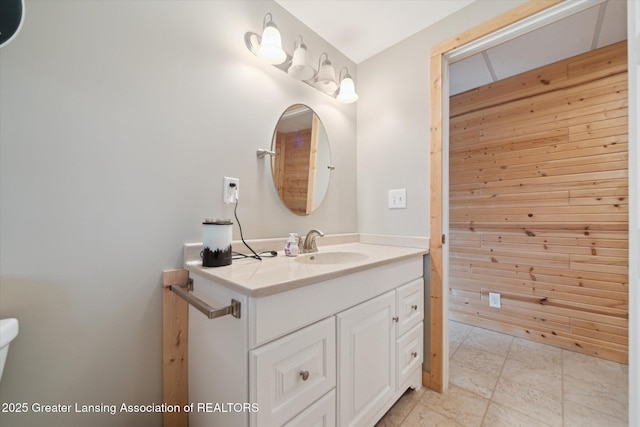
x,y
327,338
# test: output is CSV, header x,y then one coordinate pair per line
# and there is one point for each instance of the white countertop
x,y
273,275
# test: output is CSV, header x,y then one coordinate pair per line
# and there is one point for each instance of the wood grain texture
x,y
539,204
293,154
175,345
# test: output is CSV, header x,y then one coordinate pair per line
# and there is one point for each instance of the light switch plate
x,y
398,199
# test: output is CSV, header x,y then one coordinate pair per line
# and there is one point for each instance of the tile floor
x,y
498,380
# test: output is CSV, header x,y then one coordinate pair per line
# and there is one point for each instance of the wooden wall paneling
x,y
436,378
539,204
295,173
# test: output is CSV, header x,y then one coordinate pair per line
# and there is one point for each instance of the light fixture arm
x,y
266,22
320,60
346,74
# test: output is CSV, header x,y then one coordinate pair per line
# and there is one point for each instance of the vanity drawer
x,y
410,308
291,373
409,351
321,414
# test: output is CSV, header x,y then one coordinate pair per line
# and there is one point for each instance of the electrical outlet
x,y
494,300
398,199
230,189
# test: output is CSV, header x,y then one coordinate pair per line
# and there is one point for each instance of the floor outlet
x,y
494,300
230,190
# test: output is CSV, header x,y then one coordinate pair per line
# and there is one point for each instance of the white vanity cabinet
x,y
336,352
377,358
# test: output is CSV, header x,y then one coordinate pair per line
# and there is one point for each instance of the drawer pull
x,y
304,375
414,354
395,319
414,307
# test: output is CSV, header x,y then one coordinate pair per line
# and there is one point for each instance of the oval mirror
x,y
301,167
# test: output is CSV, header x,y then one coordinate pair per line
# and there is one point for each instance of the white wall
x,y
633,28
118,122
393,124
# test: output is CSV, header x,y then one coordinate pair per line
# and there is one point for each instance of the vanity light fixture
x,y
347,93
269,47
300,68
326,80
271,44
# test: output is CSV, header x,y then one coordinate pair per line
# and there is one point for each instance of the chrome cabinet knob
x,y
304,375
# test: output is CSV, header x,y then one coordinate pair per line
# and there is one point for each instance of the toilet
x,y
8,331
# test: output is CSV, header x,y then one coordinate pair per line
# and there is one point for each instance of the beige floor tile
x,y
489,341
458,332
592,370
457,404
536,404
545,379
477,381
611,400
386,422
399,411
501,416
478,359
535,354
581,416
421,416
534,385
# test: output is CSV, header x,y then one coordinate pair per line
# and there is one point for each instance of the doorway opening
x,y
522,20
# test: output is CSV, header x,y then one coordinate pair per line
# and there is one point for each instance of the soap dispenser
x,y
291,248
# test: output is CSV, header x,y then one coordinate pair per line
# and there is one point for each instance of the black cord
x,y
255,255
239,255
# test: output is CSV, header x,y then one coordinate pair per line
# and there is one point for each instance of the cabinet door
x,y
366,359
410,305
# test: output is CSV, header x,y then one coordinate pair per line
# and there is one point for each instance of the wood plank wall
x,y
292,175
539,204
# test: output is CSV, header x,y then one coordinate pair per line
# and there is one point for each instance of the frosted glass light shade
x,y
347,93
271,46
300,68
326,81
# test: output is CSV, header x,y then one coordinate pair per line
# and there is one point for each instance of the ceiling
x,y
362,28
353,27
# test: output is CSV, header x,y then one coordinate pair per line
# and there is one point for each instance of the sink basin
x,y
331,258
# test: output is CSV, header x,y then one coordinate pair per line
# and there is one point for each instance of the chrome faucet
x,y
309,244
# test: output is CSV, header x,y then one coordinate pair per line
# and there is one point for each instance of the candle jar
x,y
216,242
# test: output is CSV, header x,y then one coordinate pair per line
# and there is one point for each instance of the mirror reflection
x,y
301,167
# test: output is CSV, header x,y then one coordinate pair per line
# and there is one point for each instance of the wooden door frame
x,y
438,375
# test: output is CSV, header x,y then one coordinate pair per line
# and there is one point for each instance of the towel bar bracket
x,y
183,290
